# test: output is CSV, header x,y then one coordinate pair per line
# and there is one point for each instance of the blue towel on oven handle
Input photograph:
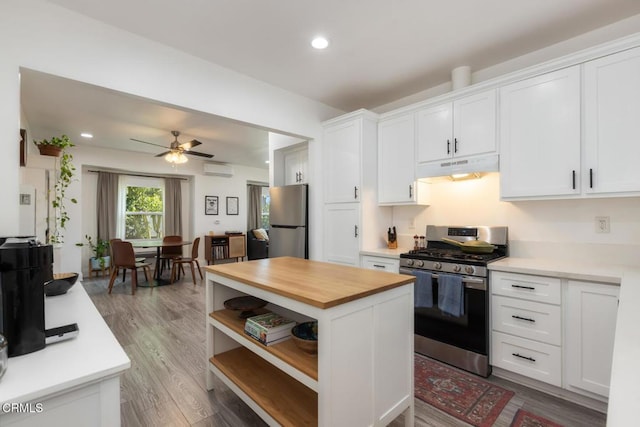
x,y
451,294
422,291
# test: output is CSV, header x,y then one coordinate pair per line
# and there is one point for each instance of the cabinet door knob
x,y
410,191
455,145
448,147
355,192
590,178
573,179
355,231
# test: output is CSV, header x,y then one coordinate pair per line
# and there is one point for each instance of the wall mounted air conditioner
x,y
218,169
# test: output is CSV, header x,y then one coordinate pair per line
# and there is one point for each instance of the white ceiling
x,y
114,118
381,50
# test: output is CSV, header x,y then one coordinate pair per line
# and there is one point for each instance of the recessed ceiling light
x,y
86,135
320,43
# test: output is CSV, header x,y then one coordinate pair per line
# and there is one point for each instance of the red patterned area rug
x,y
527,419
459,394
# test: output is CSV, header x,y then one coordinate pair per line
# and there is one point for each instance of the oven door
x,y
469,331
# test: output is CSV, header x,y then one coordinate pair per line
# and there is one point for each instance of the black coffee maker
x,y
25,265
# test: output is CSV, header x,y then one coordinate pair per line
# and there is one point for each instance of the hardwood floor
x,y
162,331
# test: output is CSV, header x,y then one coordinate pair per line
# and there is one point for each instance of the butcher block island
x,y
362,374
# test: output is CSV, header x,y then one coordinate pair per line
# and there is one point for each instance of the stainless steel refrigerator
x,y
288,217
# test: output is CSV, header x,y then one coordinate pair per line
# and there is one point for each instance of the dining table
x,y
158,244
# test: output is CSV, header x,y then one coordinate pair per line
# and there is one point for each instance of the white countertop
x,y
624,394
93,355
607,273
385,252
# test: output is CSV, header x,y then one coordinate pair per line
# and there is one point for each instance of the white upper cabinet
x,y
345,140
396,160
540,136
295,166
612,123
464,127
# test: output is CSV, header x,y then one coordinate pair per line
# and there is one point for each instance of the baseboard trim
x,y
588,402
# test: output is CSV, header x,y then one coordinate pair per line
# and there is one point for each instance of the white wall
x,y
547,228
44,37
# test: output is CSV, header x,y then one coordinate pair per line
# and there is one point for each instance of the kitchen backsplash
x,y
565,227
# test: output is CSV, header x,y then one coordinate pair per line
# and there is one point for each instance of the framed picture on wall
x,y
232,206
211,205
23,147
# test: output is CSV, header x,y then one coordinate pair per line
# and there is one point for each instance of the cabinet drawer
x,y
533,359
534,288
527,319
381,264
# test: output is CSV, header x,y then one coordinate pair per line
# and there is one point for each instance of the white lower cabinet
x,y
342,233
554,330
591,311
542,362
390,265
526,326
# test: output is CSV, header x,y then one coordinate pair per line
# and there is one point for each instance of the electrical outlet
x,y
412,224
602,224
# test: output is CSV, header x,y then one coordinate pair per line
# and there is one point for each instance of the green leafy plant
x,y
100,249
65,171
61,142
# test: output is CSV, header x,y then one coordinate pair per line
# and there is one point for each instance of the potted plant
x,y
54,146
100,248
65,171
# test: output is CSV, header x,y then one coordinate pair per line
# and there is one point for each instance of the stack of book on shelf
x,y
269,328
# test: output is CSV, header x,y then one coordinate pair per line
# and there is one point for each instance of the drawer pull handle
x,y
523,318
523,357
531,288
378,266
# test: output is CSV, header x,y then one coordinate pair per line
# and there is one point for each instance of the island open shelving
x,y
363,372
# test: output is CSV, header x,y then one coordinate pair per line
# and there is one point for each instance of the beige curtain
x,y
254,215
173,207
107,205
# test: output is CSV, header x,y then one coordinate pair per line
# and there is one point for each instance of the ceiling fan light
x,y
176,157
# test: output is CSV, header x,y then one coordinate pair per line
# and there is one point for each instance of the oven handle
x,y
469,282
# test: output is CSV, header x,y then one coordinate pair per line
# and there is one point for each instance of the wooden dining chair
x,y
124,272
168,253
124,257
178,262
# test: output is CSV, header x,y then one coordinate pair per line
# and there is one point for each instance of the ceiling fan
x,y
177,150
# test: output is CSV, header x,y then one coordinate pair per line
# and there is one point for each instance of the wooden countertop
x,y
315,283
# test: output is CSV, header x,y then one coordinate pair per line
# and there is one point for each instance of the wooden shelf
x,y
287,351
286,400
225,246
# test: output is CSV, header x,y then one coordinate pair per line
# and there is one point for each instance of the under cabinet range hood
x,y
450,167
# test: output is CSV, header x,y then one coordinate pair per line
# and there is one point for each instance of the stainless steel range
x,y
452,295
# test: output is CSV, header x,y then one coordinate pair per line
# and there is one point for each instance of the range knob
x,y
409,262
469,269
456,268
437,265
419,263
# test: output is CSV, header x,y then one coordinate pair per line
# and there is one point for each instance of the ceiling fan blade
x,y
150,143
195,153
163,154
190,145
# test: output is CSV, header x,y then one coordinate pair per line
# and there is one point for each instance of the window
x,y
142,208
264,205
